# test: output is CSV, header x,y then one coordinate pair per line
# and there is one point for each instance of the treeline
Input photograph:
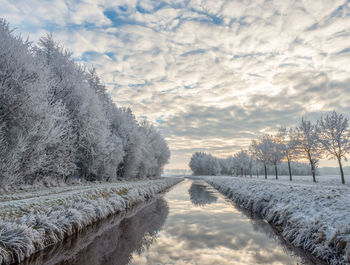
x,y
57,122
208,165
329,138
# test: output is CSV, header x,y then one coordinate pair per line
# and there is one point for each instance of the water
x,y
190,224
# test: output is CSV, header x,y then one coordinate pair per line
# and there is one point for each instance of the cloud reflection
x,y
174,230
215,233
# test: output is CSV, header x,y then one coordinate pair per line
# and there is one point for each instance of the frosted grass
x,y
32,221
312,216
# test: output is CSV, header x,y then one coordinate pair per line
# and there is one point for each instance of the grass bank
x,y
32,221
312,216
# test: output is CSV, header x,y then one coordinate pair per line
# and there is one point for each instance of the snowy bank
x,y
315,217
32,221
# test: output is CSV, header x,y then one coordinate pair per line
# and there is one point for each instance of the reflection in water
x,y
174,230
112,241
200,194
261,226
215,233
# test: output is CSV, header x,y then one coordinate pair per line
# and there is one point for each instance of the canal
x,y
190,224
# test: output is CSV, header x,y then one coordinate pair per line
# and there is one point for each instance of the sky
x,y
211,75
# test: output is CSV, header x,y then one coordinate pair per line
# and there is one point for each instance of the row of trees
x,y
329,138
57,121
240,164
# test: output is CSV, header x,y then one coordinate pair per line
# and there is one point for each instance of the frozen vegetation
x,y
313,216
31,221
58,122
59,127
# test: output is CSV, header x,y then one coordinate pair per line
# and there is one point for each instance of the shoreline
x,y
307,217
31,224
71,246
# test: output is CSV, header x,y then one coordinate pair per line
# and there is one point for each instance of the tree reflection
x,y
112,241
200,195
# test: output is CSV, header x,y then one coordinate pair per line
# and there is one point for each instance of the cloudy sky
x,y
210,74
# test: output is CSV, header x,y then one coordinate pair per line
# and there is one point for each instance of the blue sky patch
x,y
117,19
198,51
111,55
159,120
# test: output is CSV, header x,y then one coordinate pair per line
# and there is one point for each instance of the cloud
x,y
192,236
211,73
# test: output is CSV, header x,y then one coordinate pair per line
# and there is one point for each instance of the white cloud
x,y
213,70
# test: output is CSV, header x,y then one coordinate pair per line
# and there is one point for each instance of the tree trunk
x,y
245,172
276,172
341,171
312,167
313,172
257,173
290,170
242,172
265,171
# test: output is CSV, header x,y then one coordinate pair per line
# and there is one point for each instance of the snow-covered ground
x,y
31,221
324,180
314,216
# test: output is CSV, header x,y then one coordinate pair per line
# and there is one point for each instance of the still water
x,y
190,224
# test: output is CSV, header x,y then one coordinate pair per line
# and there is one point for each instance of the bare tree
x,y
288,139
334,135
276,152
261,150
309,145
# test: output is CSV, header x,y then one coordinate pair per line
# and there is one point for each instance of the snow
x,y
313,216
31,221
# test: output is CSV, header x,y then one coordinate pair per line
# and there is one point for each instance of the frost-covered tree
x,y
334,135
225,167
230,162
127,128
308,144
289,144
261,151
35,132
242,161
204,164
90,126
276,152
114,151
255,167
57,120
157,152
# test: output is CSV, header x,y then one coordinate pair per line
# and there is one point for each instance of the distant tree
x,y
334,135
255,166
251,163
276,151
242,160
204,164
261,151
225,166
289,143
308,144
156,152
228,165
